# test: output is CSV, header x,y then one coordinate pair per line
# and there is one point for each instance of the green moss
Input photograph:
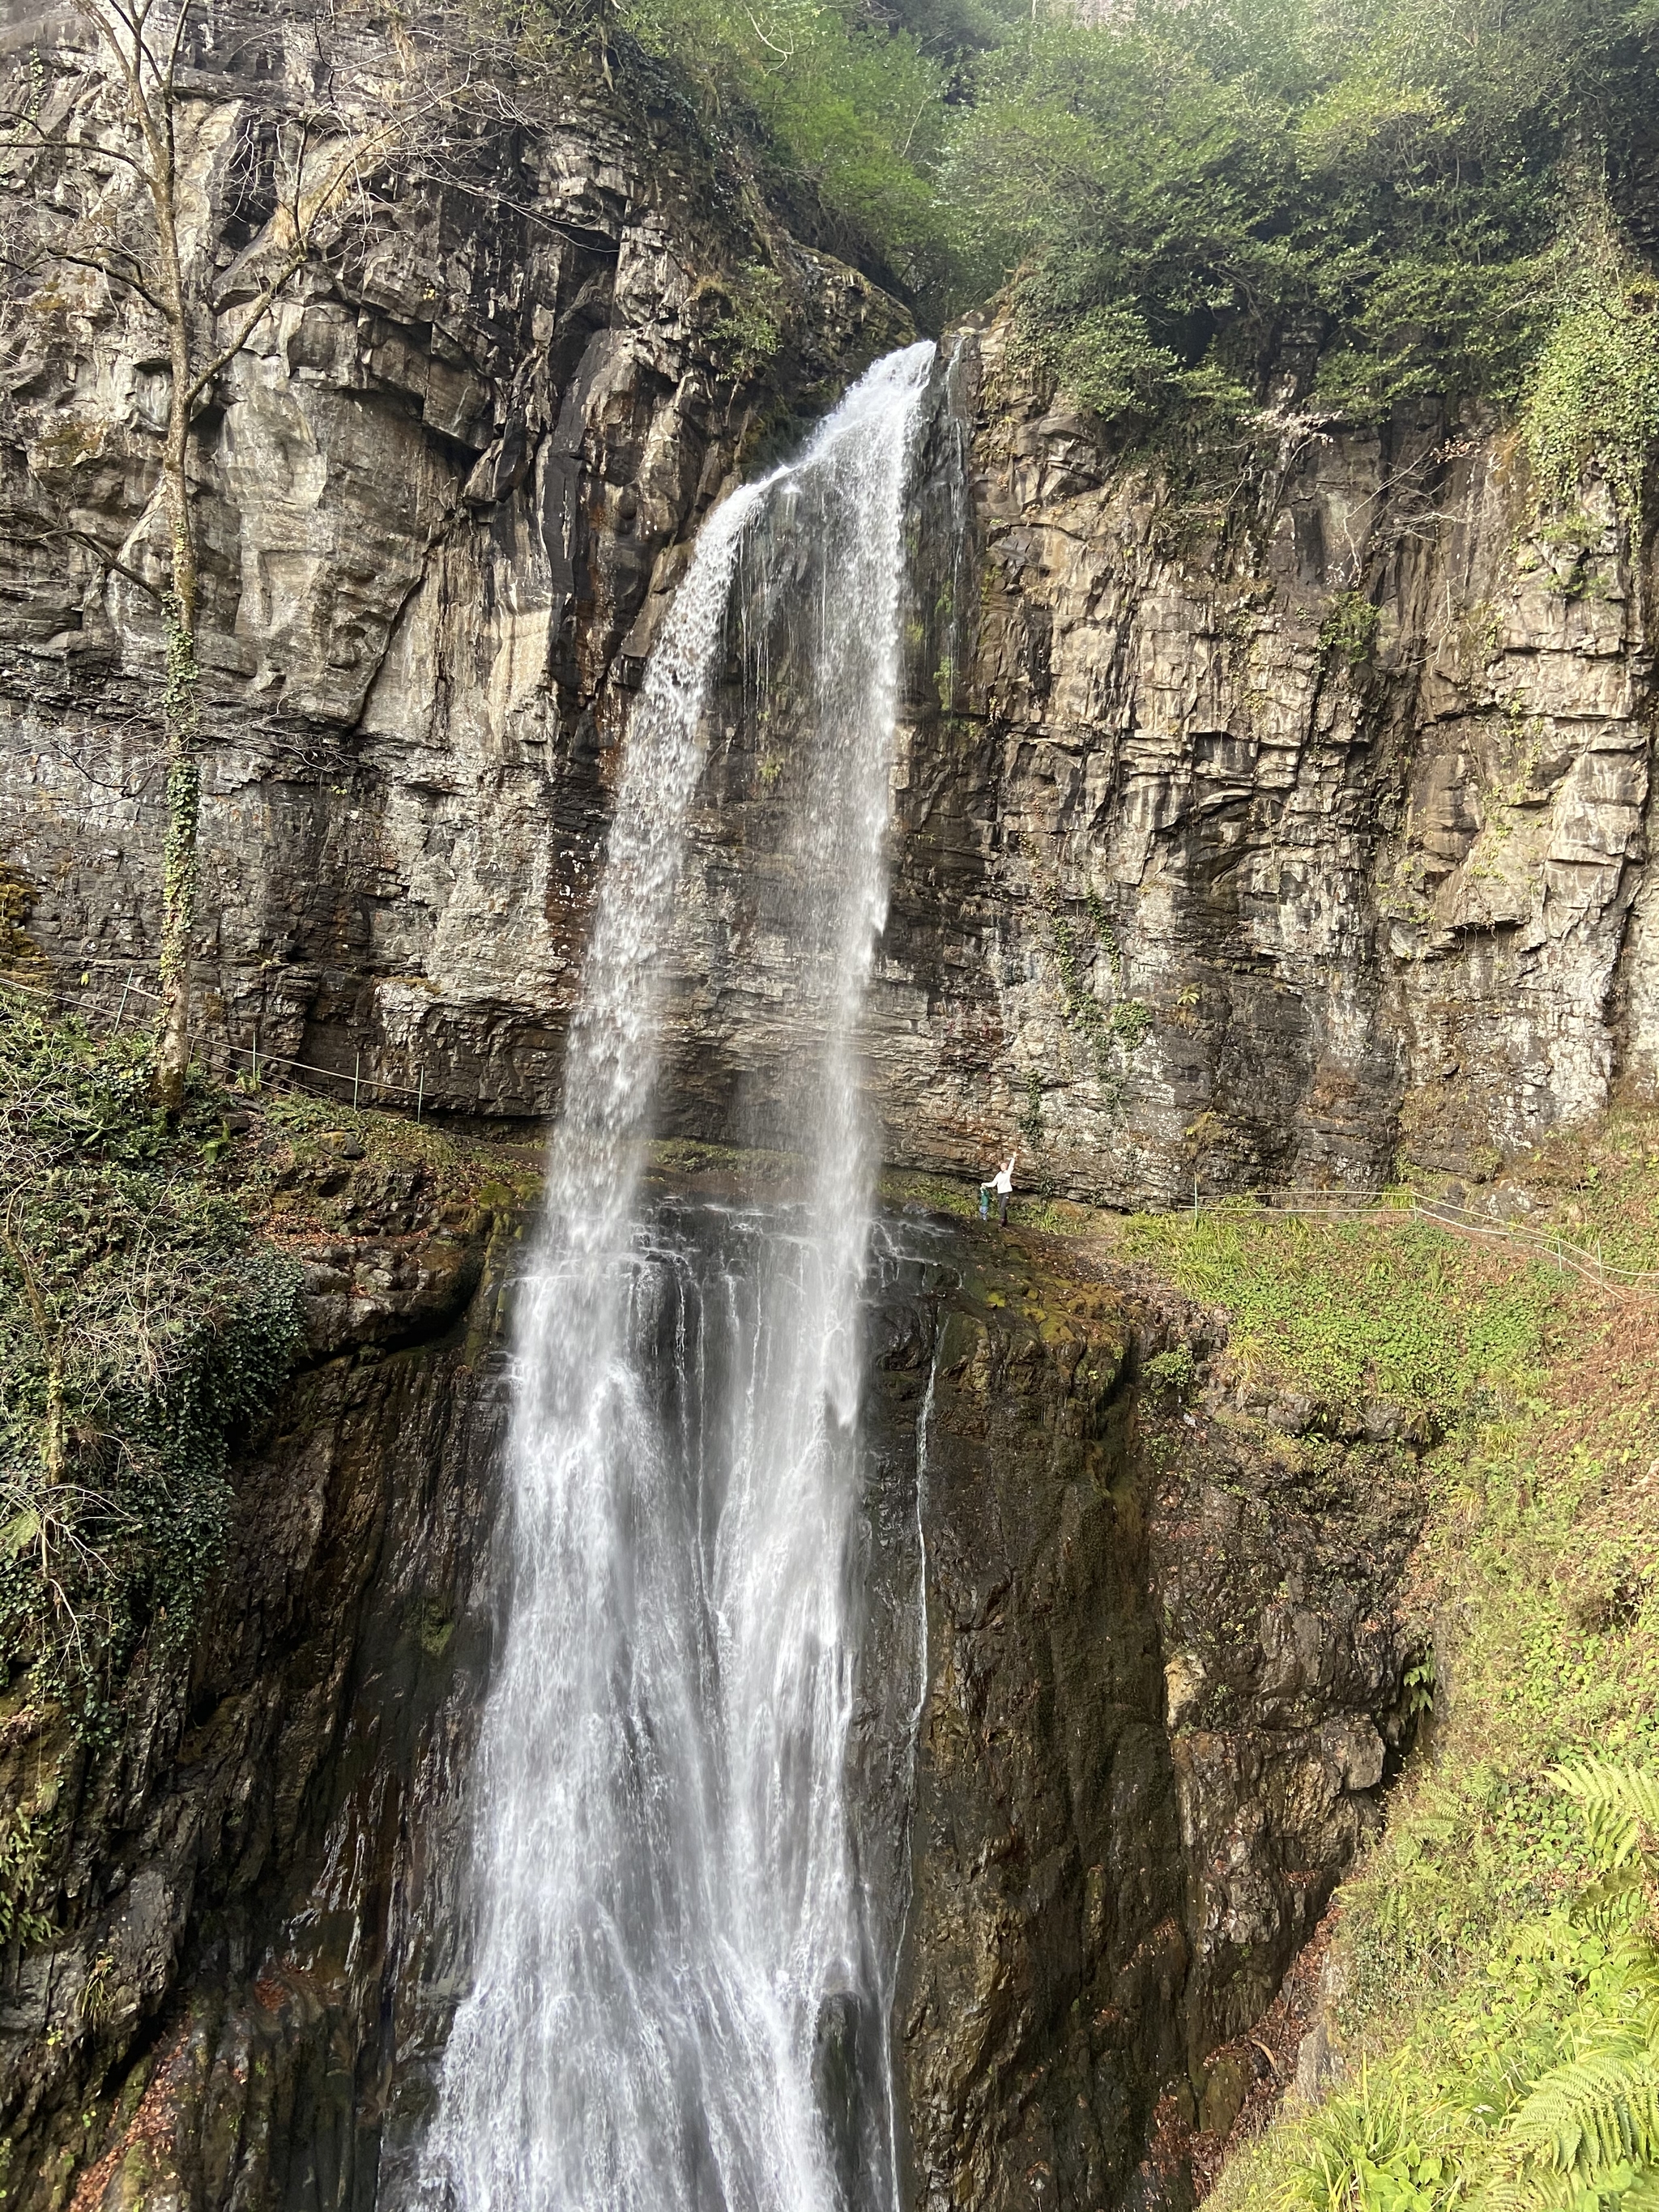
x,y
1593,400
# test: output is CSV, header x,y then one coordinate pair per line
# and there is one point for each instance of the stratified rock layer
x,y
1240,840
1254,837
442,495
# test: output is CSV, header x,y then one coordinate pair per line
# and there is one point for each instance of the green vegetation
x,y
149,1315
1595,394
833,98
1594,1185
142,1324
1495,1973
1348,633
748,332
1353,1313
1407,200
1113,1028
22,1863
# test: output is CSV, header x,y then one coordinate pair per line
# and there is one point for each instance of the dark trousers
x,y
1002,1211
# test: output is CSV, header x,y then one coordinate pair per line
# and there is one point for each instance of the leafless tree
x,y
128,224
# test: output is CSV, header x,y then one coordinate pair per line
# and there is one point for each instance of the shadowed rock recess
x,y
1251,853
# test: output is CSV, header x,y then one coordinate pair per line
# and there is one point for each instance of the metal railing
x,y
266,1069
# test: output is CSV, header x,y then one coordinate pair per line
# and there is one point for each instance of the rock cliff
x,y
1162,1674
1247,830
1275,825
437,488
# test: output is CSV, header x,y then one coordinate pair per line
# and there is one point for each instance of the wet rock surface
x,y
162,2045
1164,1679
1160,1683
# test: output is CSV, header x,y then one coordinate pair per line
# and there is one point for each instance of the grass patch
x,y
1356,1312
1495,1987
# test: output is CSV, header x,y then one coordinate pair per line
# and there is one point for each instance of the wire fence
x,y
266,1070
280,1069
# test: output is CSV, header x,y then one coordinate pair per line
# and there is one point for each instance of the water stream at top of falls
x,y
678,1982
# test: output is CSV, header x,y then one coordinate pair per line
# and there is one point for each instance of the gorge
x,y
728,1683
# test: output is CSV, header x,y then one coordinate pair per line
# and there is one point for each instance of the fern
x,y
1598,2110
1622,1804
1587,2132
1549,2101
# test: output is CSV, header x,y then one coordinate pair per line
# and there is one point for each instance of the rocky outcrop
x,y
1164,1680
155,2046
1248,833
443,491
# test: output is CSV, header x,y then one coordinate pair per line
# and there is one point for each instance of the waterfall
x,y
676,1998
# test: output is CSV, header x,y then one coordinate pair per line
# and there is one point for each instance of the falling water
x,y
675,1990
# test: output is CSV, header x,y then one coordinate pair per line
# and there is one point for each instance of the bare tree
x,y
137,239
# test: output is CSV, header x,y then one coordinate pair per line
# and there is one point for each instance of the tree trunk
x,y
181,722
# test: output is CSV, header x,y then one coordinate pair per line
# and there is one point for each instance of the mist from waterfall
x,y
678,1995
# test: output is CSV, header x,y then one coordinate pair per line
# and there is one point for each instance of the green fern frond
x,y
1617,1887
1598,2110
1509,2194
1621,1802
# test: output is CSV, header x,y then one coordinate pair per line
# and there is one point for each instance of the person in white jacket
x,y
1002,1183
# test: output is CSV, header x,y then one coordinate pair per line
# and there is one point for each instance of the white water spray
x,y
674,2001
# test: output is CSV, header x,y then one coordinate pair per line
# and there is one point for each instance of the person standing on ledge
x,y
1002,1183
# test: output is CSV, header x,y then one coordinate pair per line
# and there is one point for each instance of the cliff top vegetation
x,y
1206,205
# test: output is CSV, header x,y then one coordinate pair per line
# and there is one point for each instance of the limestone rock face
x,y
1241,842
1251,843
436,489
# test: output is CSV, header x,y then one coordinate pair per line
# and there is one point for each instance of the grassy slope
x,y
1467,1961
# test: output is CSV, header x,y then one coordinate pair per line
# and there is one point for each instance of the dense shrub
x,y
142,1324
1384,203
